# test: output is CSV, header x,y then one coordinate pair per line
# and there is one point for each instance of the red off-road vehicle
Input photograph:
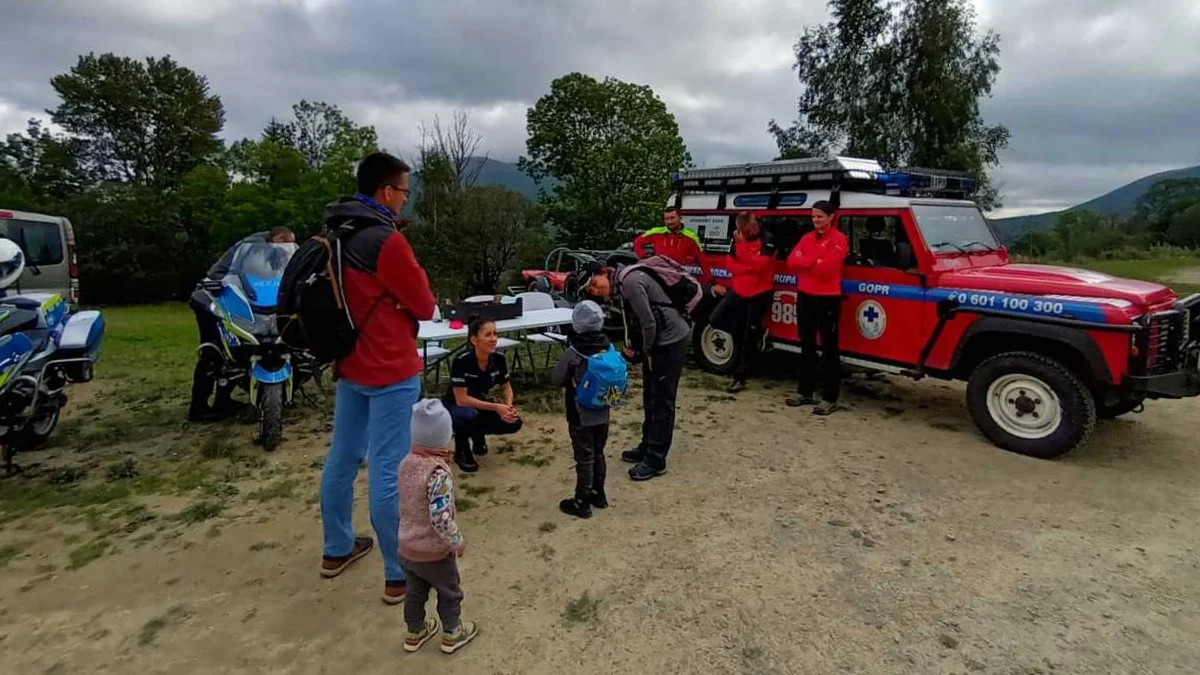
x,y
929,291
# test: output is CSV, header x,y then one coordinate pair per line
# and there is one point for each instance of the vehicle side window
x,y
783,232
877,241
41,242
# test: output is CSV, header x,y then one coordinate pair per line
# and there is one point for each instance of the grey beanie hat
x,y
587,317
431,426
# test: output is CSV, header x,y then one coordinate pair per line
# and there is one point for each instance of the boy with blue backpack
x,y
594,377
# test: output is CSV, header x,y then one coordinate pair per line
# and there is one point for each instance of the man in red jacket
x,y
673,241
378,383
753,286
817,261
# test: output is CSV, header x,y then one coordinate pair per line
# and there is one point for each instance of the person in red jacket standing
x,y
673,241
817,261
753,287
378,383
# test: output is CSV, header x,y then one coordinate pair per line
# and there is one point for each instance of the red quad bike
x,y
929,291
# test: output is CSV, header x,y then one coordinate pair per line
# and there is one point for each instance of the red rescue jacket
x,y
683,247
817,261
753,272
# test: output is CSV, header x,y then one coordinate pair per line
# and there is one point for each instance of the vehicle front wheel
x,y
35,434
270,415
716,350
1030,404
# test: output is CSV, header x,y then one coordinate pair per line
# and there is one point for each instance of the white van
x,y
49,246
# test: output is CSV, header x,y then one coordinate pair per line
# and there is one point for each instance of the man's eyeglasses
x,y
400,189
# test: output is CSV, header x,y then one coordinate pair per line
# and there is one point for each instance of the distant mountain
x,y
1121,202
493,172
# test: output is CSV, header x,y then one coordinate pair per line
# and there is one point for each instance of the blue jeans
x,y
375,422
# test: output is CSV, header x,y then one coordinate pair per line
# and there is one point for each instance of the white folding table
x,y
440,331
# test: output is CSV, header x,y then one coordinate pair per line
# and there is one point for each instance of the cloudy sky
x,y
1095,92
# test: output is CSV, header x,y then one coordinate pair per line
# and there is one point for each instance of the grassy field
x,y
1180,273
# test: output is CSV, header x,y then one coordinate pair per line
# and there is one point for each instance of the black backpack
x,y
312,313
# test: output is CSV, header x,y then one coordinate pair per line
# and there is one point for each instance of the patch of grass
x,y
281,489
547,526
87,553
218,446
477,490
583,609
221,491
200,511
67,475
1150,268
464,503
125,469
535,460
153,627
10,551
264,546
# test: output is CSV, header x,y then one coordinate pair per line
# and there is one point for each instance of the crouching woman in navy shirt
x,y
476,414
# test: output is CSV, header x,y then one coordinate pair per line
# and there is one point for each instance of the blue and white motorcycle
x,y
44,347
252,355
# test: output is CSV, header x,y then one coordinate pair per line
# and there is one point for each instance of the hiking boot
x,y
481,449
394,592
331,566
466,462
736,387
414,641
825,408
798,400
643,472
598,499
575,507
634,456
456,640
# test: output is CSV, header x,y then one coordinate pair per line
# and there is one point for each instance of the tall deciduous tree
x,y
145,123
900,82
610,148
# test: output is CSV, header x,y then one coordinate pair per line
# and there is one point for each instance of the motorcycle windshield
x,y
259,267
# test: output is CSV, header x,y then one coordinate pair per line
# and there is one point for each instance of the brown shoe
x,y
331,566
394,592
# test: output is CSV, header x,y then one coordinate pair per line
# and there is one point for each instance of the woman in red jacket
x,y
817,261
752,289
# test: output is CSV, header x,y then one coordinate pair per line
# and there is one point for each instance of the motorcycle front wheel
x,y
270,415
35,434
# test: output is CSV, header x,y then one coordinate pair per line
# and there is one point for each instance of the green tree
x,y
1185,227
610,146
49,165
901,84
1159,205
146,123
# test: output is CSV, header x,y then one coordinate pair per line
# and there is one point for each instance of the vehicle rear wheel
x,y
270,415
1122,407
1030,404
716,350
35,434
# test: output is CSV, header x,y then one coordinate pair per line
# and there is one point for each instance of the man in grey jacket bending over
x,y
659,338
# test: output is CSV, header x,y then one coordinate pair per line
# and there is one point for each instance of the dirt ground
x,y
890,538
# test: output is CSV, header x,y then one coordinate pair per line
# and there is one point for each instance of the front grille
x,y
1163,341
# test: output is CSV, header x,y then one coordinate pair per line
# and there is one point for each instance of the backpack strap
x,y
341,234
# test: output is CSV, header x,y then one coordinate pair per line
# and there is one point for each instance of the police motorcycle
x,y
44,346
252,356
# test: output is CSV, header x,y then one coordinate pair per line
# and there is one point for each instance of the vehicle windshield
x,y
954,229
259,267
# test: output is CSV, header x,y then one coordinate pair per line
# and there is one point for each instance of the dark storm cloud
x,y
1094,92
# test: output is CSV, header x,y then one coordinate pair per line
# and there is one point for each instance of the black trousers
x,y
472,426
742,318
441,576
819,314
660,387
208,362
590,467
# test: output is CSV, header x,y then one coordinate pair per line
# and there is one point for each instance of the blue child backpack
x,y
605,381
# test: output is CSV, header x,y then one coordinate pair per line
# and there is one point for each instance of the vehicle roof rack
x,y
836,173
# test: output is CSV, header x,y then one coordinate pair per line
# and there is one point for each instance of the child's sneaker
x,y
452,642
414,641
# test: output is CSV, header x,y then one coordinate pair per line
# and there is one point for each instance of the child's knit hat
x,y
431,426
587,317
